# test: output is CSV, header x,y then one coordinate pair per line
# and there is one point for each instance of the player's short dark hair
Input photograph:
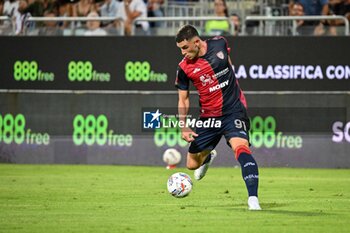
x,y
186,32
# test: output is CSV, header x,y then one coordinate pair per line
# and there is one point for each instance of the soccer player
x,y
208,66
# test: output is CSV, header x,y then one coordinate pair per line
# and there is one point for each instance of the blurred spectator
x,y
218,27
50,28
1,6
20,17
109,8
10,7
63,8
83,8
252,27
4,28
93,26
347,9
154,9
338,7
297,9
236,23
36,8
315,7
128,11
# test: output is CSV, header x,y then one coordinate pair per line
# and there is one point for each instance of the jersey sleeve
x,y
182,82
227,47
223,40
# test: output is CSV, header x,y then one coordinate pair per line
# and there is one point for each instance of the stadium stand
x,y
23,17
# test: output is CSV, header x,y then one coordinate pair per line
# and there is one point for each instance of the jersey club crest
x,y
220,55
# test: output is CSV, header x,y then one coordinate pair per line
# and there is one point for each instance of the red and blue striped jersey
x,y
214,78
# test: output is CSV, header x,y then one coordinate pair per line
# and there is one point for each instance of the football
x,y
179,184
171,156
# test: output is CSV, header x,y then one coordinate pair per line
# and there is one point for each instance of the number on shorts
x,y
240,124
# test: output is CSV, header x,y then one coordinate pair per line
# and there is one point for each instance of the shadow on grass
x,y
298,213
268,208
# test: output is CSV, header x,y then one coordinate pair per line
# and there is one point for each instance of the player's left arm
x,y
242,97
229,60
228,52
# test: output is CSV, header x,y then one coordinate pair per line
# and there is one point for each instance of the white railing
x,y
172,29
70,19
184,20
4,18
295,18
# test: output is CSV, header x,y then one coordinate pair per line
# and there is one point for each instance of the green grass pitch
x,y
82,199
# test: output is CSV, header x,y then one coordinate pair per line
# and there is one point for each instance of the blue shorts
x,y
232,125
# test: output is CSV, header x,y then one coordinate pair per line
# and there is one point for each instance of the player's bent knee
x,y
193,161
192,165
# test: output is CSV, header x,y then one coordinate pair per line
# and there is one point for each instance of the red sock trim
x,y
241,149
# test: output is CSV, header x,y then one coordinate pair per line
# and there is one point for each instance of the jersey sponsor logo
x,y
218,86
209,79
196,70
221,73
220,55
206,79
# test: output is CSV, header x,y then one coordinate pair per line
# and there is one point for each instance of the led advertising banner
x,y
50,124
293,130
87,63
150,63
292,63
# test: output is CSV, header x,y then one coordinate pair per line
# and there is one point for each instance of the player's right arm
x,y
182,84
183,107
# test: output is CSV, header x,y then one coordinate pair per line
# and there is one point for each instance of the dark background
x,y
50,107
110,54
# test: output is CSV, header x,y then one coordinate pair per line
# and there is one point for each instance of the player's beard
x,y
194,54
